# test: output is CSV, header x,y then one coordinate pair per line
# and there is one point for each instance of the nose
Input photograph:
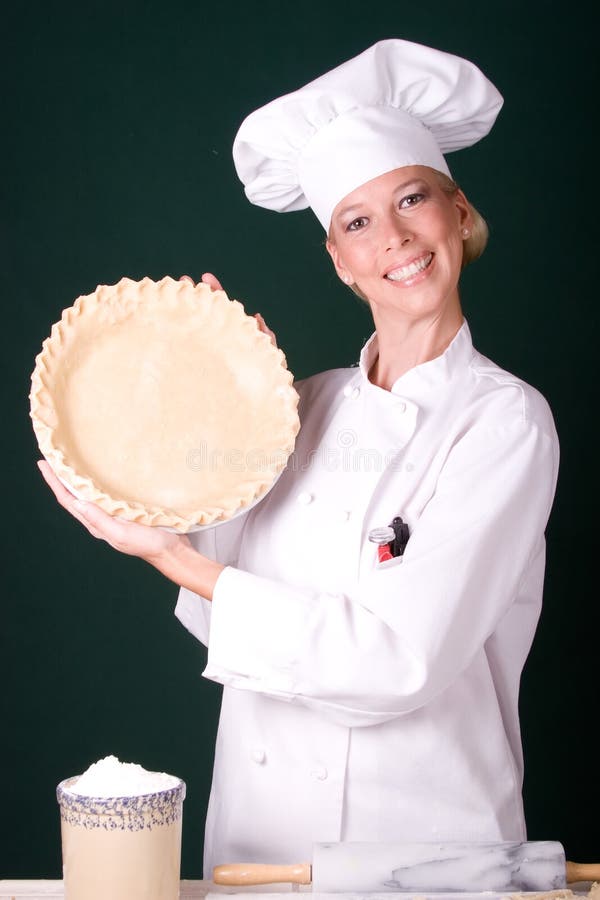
x,y
397,233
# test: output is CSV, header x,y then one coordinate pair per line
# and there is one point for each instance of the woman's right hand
x,y
214,284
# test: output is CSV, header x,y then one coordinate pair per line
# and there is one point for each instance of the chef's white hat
x,y
396,104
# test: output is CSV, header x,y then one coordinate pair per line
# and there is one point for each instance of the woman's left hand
x,y
148,543
213,282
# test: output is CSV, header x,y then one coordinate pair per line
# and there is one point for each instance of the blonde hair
x,y
473,246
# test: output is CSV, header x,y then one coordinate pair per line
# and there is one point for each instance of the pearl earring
x,y
466,232
346,279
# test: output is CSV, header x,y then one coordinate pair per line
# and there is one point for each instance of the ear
x,y
343,273
463,209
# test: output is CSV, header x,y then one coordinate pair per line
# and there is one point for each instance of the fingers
x,y
262,326
212,281
208,278
127,537
67,500
214,284
64,497
99,523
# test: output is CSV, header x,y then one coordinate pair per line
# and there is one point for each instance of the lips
x,y
414,267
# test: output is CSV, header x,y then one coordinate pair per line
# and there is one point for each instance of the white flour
x,y
111,778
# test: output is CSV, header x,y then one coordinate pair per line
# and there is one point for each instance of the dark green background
x,y
118,123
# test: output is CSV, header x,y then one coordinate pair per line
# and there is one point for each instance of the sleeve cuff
x,y
194,614
255,633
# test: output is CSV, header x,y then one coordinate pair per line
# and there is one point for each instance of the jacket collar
x,y
428,375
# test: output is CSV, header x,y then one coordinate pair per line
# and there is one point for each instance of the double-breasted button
x,y
401,406
320,773
305,497
355,393
258,756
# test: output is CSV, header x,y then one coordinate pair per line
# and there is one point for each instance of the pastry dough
x,y
163,403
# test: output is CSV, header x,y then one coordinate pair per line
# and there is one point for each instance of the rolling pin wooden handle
x,y
259,873
582,872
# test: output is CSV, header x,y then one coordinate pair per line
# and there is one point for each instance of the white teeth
x,y
413,268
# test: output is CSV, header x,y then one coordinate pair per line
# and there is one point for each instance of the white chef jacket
x,y
378,701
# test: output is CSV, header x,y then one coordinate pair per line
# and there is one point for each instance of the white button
x,y
258,756
347,390
356,393
320,773
305,498
409,467
401,407
346,513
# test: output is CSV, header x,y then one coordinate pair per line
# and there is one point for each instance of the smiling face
x,y
399,238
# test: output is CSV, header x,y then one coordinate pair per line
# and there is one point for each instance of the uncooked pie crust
x,y
163,403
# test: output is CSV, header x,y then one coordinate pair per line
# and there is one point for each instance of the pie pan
x,y
163,403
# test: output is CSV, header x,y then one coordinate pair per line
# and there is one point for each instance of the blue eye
x,y
411,200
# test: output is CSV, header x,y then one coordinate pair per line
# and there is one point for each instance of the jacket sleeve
x,y
414,624
221,544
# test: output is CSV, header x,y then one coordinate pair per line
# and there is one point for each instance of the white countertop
x,y
189,890
53,890
198,890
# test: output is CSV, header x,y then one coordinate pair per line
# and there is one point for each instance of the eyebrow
x,y
346,210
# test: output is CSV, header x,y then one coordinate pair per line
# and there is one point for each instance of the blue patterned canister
x,y
122,848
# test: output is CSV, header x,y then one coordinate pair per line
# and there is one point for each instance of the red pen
x,y
383,537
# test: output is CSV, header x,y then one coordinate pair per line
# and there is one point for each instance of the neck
x,y
404,344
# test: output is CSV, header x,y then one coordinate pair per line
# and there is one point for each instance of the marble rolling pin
x,y
433,867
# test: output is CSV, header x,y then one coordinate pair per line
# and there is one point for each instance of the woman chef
x,y
369,698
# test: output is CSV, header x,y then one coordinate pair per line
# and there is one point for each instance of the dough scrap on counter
x,y
562,894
